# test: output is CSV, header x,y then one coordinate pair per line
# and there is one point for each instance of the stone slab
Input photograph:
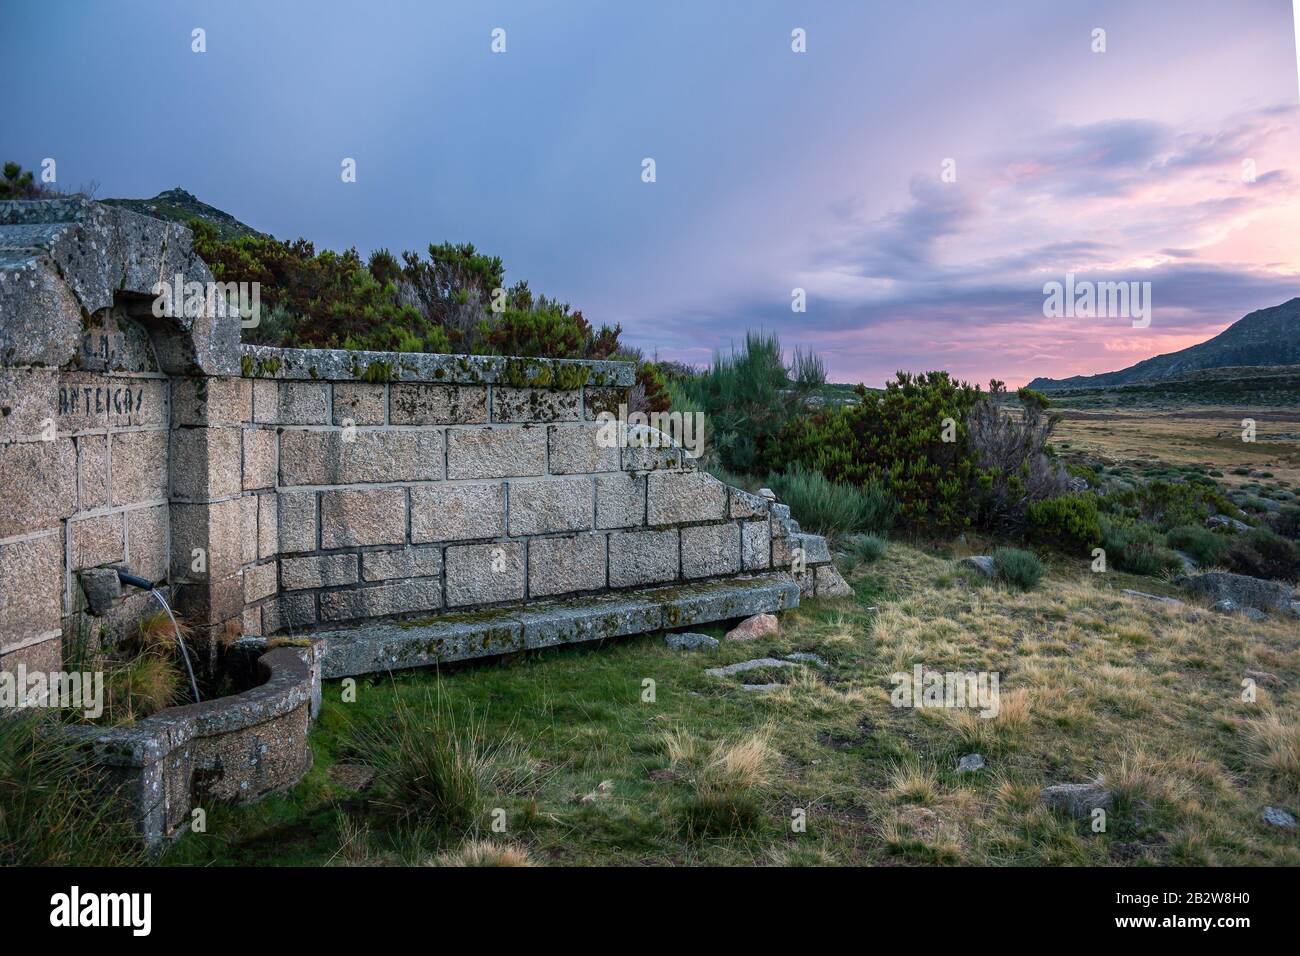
x,y
453,636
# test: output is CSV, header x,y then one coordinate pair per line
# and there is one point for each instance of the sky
x,y
920,171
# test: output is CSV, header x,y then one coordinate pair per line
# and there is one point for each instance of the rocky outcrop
x,y
1240,590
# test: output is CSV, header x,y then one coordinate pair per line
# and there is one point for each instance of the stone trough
x,y
237,748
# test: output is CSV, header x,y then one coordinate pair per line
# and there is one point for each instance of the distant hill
x,y
1263,338
177,205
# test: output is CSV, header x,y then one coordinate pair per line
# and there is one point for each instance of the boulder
x,y
970,763
1078,800
1078,485
691,642
1229,606
1223,521
982,563
751,628
1240,589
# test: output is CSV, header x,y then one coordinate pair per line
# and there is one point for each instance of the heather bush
x,y
1069,522
1286,522
1011,450
1017,567
1201,544
1262,554
895,438
1136,547
1167,504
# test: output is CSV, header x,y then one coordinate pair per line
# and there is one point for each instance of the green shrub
x,y
748,397
831,508
1069,522
1202,544
1136,547
1286,522
1086,472
1262,554
867,547
427,766
1168,505
895,437
18,183
1017,567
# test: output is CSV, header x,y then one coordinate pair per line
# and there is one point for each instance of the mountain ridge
x,y
1265,337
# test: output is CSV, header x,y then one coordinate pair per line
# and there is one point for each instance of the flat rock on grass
x,y
760,625
733,669
970,763
1278,818
1077,799
803,657
691,642
1149,597
982,563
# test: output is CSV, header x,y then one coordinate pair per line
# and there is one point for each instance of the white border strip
x,y
1295,21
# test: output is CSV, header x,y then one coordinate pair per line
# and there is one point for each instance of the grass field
x,y
1094,685
1188,436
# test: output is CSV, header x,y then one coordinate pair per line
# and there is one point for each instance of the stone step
x,y
380,646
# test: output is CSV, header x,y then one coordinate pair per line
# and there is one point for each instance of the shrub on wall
x,y
452,300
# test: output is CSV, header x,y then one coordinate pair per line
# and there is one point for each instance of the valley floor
x,y
1095,685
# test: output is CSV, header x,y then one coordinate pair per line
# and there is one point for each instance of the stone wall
x,y
93,409
450,488
274,490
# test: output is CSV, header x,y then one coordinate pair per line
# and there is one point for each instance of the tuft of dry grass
x,y
1273,745
477,852
913,782
154,633
139,686
726,781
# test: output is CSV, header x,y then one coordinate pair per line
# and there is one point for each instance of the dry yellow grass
x,y
1189,436
483,853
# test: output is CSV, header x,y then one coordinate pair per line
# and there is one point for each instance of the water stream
x,y
179,640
